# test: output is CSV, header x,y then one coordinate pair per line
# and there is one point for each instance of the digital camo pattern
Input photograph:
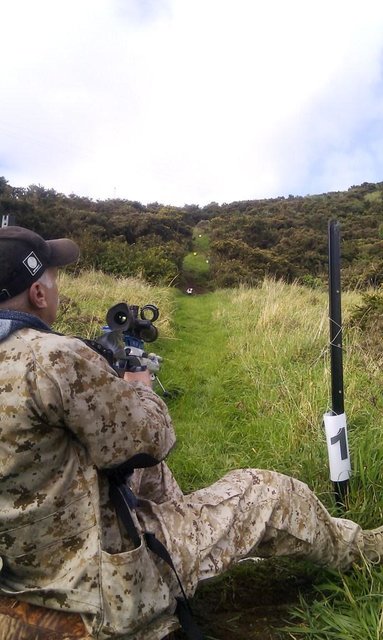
x,y
249,512
64,416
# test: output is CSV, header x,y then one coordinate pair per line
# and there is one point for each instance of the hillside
x,y
282,237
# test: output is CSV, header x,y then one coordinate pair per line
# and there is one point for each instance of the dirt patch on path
x,y
252,601
197,286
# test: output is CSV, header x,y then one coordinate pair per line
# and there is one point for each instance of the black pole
x,y
337,392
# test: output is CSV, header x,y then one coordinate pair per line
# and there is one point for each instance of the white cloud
x,y
190,101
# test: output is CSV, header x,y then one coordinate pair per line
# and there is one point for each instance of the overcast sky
x,y
191,101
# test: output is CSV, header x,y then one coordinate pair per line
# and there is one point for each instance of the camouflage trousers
x,y
248,512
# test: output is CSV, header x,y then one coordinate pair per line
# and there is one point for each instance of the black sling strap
x,y
124,501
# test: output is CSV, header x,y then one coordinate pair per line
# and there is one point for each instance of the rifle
x,y
123,340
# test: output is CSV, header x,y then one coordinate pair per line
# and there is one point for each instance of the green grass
x,y
349,607
201,241
252,371
195,263
196,363
85,300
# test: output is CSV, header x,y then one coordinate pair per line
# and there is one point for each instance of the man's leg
x,y
250,512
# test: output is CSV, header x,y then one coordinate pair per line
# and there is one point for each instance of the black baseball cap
x,y
24,256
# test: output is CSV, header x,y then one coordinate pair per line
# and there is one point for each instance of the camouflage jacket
x,y
65,417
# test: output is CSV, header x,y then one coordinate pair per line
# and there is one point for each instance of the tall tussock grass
x,y
349,607
86,298
279,341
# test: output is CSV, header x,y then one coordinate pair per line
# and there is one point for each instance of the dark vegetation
x,y
281,237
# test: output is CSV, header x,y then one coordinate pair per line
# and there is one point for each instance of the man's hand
x,y
139,376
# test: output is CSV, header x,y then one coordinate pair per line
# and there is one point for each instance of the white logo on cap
x,y
32,263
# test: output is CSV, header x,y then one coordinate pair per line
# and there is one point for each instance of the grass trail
x,y
196,264
204,411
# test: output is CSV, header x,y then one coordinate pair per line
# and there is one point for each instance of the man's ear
x,y
36,295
